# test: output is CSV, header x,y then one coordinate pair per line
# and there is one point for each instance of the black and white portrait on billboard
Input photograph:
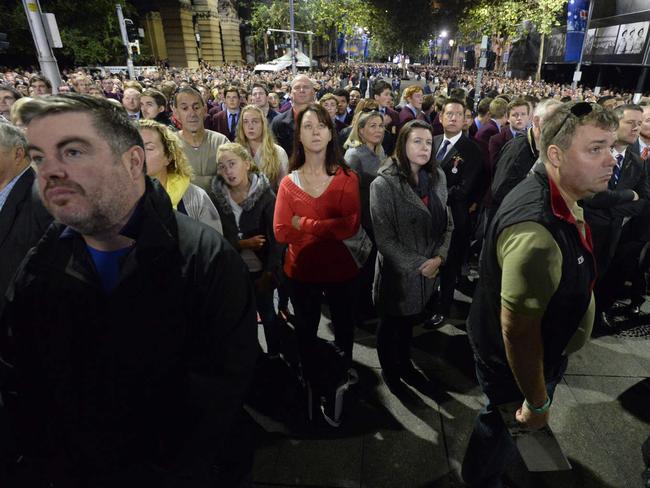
x,y
631,38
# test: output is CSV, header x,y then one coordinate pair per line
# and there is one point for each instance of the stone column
x,y
207,24
154,34
179,33
231,40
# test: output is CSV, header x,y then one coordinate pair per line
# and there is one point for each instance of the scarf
x,y
425,189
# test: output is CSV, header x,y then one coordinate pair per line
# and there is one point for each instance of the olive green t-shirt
x,y
531,265
203,159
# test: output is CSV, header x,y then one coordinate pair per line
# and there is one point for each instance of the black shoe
x,y
435,321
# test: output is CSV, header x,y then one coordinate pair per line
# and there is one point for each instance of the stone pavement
x,y
600,415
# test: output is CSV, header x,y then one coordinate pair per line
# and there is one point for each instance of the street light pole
x,y
125,40
578,74
293,39
46,59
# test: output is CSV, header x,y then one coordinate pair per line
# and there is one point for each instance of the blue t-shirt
x,y
107,264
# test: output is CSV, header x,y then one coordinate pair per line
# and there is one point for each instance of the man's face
x,y
7,99
39,88
131,100
629,127
259,97
149,108
81,182
355,96
645,125
302,90
108,85
81,84
518,117
232,100
274,100
384,98
469,118
9,159
341,105
416,100
585,167
453,116
190,112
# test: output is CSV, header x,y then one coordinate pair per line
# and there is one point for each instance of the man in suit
x,y
498,110
518,118
23,219
283,126
482,118
641,146
131,103
383,95
226,121
618,216
343,111
461,160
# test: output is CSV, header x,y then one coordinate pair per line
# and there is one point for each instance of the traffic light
x,y
4,43
131,30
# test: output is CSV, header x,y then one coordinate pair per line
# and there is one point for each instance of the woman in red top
x,y
317,207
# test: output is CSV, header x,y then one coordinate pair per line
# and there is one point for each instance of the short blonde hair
x,y
173,147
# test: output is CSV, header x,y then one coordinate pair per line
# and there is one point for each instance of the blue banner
x,y
340,45
576,25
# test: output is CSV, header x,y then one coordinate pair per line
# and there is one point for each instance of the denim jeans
x,y
490,446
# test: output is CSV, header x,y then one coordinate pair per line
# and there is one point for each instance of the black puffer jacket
x,y
256,219
138,386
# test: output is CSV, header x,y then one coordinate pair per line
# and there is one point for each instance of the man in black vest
x,y
534,303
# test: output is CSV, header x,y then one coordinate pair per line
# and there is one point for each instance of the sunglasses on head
x,y
578,110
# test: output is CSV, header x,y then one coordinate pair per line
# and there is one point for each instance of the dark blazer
x,y
606,210
23,221
495,144
283,127
436,125
271,115
483,135
220,124
406,115
464,185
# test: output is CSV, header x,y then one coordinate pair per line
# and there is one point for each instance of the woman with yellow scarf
x,y
167,163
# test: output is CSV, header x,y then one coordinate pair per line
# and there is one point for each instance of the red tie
x,y
644,153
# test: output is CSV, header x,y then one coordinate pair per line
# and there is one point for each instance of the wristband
x,y
539,410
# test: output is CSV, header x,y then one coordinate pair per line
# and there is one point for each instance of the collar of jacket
x,y
152,225
259,188
531,142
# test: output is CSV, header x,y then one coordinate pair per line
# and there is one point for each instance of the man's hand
x,y
295,222
530,419
430,267
255,243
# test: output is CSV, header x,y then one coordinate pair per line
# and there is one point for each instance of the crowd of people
x,y
151,224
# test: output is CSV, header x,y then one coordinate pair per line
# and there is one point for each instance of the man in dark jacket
x,y
618,217
23,219
534,302
283,126
130,329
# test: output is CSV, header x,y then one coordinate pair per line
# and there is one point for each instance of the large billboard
x,y
617,34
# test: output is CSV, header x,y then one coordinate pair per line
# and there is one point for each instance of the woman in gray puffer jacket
x,y
413,229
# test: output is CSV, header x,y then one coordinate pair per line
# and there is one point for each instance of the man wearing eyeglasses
x,y
534,303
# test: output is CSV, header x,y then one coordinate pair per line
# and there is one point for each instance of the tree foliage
x,y
89,31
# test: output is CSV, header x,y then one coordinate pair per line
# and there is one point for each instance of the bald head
x,y
302,92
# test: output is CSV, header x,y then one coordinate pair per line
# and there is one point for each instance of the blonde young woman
x,y
253,133
166,162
